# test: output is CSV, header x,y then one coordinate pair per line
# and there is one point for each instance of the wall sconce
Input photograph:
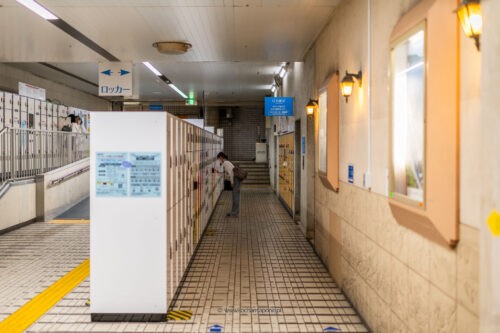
x,y
469,14
311,107
347,83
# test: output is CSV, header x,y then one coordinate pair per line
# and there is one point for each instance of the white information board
x,y
128,233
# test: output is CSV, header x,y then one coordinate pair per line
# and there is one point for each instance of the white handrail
x,y
25,153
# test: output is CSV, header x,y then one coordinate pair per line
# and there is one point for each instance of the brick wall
x,y
242,131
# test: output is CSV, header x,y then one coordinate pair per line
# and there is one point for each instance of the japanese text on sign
x,y
120,174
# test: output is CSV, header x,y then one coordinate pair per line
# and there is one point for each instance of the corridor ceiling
x,y
237,45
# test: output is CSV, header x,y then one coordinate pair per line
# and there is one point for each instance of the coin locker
x,y
16,111
8,109
2,114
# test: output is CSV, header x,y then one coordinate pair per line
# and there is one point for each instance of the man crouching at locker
x,y
235,183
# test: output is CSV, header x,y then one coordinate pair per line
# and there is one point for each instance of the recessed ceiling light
x,y
172,47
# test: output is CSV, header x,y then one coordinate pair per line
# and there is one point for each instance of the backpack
x,y
66,128
240,173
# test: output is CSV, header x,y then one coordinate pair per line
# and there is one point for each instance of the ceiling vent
x,y
172,47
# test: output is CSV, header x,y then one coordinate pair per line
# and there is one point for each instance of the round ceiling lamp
x,y
172,47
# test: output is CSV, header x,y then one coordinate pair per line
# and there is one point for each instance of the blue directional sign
x,y
107,72
278,106
155,107
215,328
123,72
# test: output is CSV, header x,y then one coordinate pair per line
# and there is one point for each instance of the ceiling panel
x,y
238,45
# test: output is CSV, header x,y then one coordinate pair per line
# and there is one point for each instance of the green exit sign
x,y
191,99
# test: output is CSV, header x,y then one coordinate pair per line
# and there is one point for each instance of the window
x,y
322,130
408,110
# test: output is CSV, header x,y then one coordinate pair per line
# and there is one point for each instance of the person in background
x,y
235,183
76,126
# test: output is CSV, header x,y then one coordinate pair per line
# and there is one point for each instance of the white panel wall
x,y
128,234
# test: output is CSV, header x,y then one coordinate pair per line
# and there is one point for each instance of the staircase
x,y
258,173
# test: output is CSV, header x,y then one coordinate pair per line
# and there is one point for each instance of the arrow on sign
x,y
123,72
107,72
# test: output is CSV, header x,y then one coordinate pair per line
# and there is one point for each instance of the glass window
x,y
322,131
408,108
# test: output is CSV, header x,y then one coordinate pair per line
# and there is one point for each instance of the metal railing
x,y
25,153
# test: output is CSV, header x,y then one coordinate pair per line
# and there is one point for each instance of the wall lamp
x,y
469,14
347,83
311,107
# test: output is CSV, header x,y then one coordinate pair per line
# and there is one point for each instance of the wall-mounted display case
x,y
424,138
328,132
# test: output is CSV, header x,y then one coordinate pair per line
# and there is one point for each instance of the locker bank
x,y
368,131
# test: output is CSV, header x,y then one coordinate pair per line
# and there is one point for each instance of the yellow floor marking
x,y
74,221
40,304
179,315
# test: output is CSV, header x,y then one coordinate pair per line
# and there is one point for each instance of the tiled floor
x,y
36,256
256,273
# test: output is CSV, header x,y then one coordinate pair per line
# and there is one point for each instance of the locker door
x,y
175,208
170,217
24,111
184,199
7,106
2,115
181,202
40,114
178,224
43,126
189,185
16,111
49,134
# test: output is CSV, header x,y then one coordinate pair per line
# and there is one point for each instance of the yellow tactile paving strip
x,y
69,221
40,304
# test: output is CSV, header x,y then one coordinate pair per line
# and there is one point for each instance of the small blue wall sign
x,y
278,106
350,174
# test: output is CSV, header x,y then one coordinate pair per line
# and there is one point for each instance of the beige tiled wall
x,y
397,279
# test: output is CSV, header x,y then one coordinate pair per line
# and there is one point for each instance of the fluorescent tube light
x,y
273,88
282,72
177,89
151,68
38,9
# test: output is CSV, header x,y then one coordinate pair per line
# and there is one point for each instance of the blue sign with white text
x,y
350,174
278,106
155,107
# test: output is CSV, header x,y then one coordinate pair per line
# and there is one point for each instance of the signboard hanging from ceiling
x,y
32,91
115,79
278,106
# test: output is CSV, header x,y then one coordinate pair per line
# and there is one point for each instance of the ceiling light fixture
x,y
283,70
152,68
164,78
38,9
172,47
273,88
171,85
